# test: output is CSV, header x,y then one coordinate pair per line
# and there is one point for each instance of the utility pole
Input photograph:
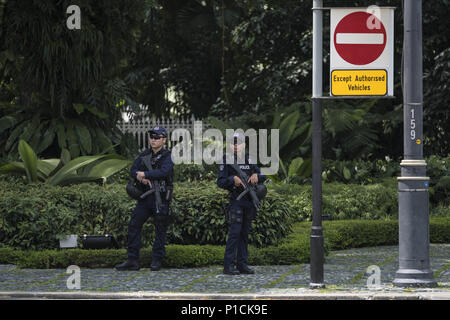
x,y
316,239
414,239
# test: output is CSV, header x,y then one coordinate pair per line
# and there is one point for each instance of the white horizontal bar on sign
x,y
359,38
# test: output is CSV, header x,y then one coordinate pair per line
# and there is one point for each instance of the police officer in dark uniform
x,y
240,212
162,166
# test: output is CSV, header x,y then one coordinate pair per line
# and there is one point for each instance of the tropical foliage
x,y
64,88
246,62
65,170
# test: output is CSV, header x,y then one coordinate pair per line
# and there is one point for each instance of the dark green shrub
x,y
198,207
181,173
37,216
438,169
344,201
373,171
195,172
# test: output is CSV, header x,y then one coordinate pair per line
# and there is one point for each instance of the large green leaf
x,y
306,168
70,168
36,137
47,139
101,140
29,159
283,168
287,128
61,132
65,158
108,167
73,141
276,119
13,167
31,129
295,166
84,137
347,173
15,134
97,112
86,169
7,122
47,166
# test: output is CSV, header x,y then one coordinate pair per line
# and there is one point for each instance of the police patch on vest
x,y
246,167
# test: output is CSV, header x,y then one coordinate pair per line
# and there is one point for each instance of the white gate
x,y
139,128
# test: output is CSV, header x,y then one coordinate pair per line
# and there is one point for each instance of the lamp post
x,y
316,239
414,262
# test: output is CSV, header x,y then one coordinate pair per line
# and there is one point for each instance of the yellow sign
x,y
359,82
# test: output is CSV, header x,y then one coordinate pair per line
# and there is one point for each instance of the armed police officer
x,y
154,189
241,211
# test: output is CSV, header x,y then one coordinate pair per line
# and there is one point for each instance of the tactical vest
x,y
165,184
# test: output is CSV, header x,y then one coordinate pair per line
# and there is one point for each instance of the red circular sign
x,y
360,38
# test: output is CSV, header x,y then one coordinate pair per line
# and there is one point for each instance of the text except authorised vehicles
x,y
358,82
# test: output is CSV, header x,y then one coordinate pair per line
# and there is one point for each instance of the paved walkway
x,y
345,277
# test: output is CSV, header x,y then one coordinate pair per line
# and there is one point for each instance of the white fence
x,y
139,128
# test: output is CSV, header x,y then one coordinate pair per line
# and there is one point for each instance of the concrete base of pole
x,y
414,236
414,278
317,286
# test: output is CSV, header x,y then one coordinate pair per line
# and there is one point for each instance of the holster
x,y
234,214
169,193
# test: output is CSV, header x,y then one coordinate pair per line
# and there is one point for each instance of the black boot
x,y
230,270
245,269
128,265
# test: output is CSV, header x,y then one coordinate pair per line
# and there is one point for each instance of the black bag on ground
x,y
99,242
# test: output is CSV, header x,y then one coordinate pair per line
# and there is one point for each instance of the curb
x,y
224,296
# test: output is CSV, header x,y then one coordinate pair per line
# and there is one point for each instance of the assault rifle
x,y
249,187
155,185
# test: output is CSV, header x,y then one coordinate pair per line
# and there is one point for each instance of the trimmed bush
x,y
37,216
344,201
182,173
294,248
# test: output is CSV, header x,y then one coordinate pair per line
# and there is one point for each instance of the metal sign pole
x,y
414,240
316,239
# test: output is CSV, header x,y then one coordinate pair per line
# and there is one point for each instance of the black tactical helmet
x,y
261,191
132,190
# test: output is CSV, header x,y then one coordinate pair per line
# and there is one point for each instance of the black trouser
x,y
143,210
241,214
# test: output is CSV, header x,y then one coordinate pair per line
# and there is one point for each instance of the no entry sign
x,y
361,62
356,42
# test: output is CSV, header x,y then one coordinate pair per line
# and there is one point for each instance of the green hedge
x,y
345,201
294,248
37,216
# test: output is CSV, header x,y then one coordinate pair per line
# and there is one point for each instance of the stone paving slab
x,y
344,272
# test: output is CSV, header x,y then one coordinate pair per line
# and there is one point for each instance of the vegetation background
x,y
240,64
